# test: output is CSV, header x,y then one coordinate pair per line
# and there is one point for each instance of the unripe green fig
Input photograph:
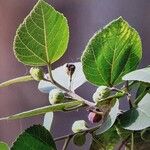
x,y
56,96
79,139
36,73
79,125
101,92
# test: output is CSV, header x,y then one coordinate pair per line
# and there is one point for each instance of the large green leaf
x,y
137,118
43,36
43,110
34,138
142,75
3,146
111,53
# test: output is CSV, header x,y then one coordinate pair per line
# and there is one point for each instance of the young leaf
x,y
137,118
33,138
43,110
48,119
60,75
142,75
3,146
43,36
111,53
110,119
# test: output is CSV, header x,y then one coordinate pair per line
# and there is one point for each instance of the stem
x,y
139,98
132,141
72,94
117,95
98,142
124,142
16,80
66,143
128,95
89,130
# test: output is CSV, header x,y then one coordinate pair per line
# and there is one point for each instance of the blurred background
x,y
85,18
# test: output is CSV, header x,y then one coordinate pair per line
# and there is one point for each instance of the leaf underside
x,y
137,118
43,36
142,75
111,53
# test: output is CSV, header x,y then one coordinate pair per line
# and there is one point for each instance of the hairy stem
x,y
124,142
72,94
89,130
67,140
132,141
16,80
128,95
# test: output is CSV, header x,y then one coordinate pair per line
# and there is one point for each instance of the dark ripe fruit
x,y
94,117
70,69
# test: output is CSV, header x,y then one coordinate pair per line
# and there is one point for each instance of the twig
x,y
72,94
132,141
124,142
128,94
98,142
89,130
66,143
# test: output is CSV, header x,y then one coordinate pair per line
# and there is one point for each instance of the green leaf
x,y
137,118
105,141
110,119
34,138
43,36
16,80
142,75
3,146
111,53
43,110
48,120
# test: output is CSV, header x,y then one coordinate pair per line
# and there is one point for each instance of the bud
x,y
36,73
70,68
79,139
79,126
94,117
56,96
101,92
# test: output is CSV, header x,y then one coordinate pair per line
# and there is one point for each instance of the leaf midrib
x,y
45,36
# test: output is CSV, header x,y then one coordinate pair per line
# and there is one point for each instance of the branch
x,y
66,143
16,80
89,130
72,94
128,94
124,142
